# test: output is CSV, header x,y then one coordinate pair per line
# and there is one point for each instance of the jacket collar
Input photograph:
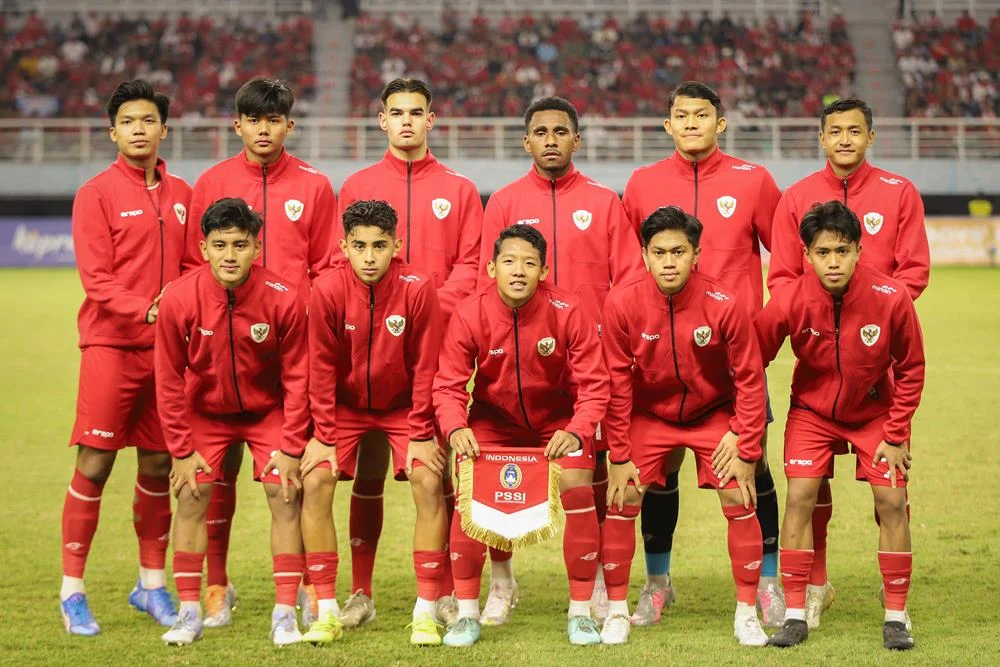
x,y
274,170
562,184
242,293
695,285
504,313
383,289
855,288
685,168
854,182
138,174
415,169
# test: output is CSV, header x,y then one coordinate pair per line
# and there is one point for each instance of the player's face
x,y
264,136
845,139
370,250
406,120
833,259
230,252
694,125
551,141
517,270
670,257
138,131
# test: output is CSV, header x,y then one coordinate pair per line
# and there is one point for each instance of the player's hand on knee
x,y
463,441
727,450
287,468
317,452
897,457
619,476
560,444
428,453
743,472
185,471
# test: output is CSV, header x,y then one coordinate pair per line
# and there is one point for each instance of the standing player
x,y
440,218
232,366
374,331
592,247
298,209
735,201
540,379
128,231
858,378
895,241
685,372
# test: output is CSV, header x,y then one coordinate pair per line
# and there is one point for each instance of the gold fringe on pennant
x,y
496,540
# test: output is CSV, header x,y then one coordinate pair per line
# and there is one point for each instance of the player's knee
x,y
801,495
190,508
154,464
891,505
571,479
95,464
426,486
317,487
276,497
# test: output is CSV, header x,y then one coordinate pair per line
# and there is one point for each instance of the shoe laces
x,y
585,624
618,624
358,595
464,624
77,610
284,621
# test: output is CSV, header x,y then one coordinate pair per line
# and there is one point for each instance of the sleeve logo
x,y
259,331
293,209
702,336
870,334
582,219
395,324
546,346
726,206
181,212
441,208
873,222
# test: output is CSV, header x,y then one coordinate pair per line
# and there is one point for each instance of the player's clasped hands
x,y
897,456
463,441
428,453
287,468
560,444
315,454
185,471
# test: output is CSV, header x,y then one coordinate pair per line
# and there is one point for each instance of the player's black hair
x,y
552,104
137,89
670,217
832,216
370,213
525,233
264,97
698,91
848,104
406,86
229,213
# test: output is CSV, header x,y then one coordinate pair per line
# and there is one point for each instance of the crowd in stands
x,y
70,68
949,70
607,66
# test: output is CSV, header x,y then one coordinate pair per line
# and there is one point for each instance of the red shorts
x,y
653,439
214,434
811,441
493,432
353,424
116,400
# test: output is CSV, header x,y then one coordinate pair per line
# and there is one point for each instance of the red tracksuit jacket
x,y
536,364
859,358
296,202
128,242
733,199
440,219
245,352
680,357
892,225
373,347
590,243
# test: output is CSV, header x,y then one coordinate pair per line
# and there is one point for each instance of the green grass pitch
x,y
956,531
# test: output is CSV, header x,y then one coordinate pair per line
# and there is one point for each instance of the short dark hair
x,y
833,216
406,86
847,104
264,97
552,104
670,217
525,233
229,213
698,91
137,89
370,213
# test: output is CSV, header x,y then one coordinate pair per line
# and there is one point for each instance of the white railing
x,y
620,8
51,8
948,10
633,140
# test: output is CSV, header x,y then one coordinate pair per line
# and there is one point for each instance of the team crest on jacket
x,y
511,476
702,336
395,324
873,222
181,212
870,334
293,209
441,208
582,219
726,205
259,331
546,346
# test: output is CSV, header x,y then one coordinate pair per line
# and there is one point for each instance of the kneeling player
x,y
237,334
540,381
685,372
374,329
858,379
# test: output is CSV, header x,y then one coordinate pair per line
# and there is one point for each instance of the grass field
x,y
954,491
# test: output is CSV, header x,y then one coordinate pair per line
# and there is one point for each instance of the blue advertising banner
x,y
36,242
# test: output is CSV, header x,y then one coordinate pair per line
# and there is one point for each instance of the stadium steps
x,y
877,81
334,53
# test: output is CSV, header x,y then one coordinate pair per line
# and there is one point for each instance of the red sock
x,y
322,567
795,567
365,529
81,510
618,549
151,519
601,490
820,521
429,566
287,577
467,559
219,521
187,575
746,549
581,541
897,568
447,585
